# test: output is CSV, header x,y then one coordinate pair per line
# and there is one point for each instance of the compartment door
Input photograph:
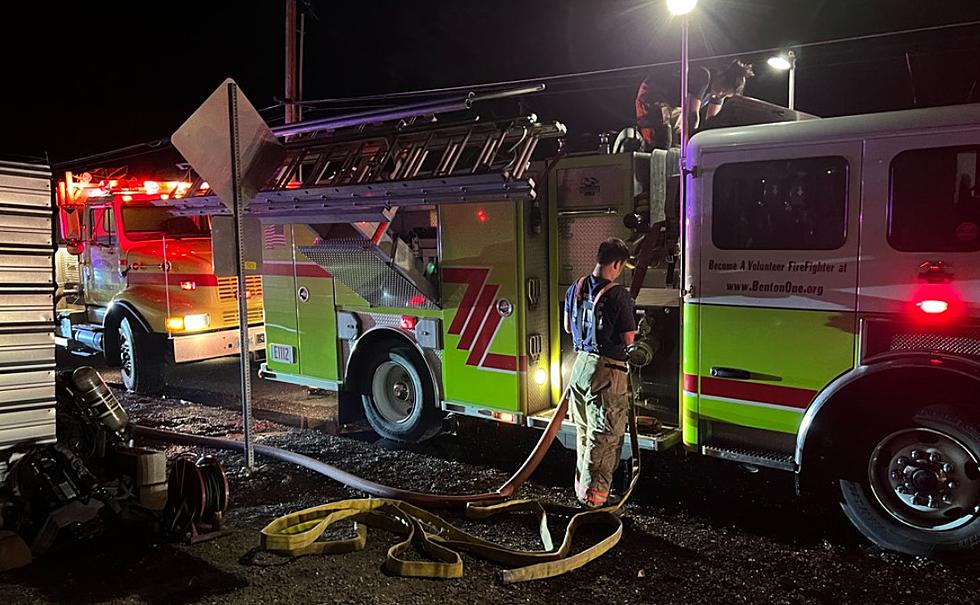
x,y
480,289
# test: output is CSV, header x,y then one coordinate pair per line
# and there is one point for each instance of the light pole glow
x,y
779,62
786,62
681,7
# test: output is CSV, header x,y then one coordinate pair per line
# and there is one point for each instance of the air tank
x,y
98,399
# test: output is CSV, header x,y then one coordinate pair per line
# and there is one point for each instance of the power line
x,y
596,73
634,68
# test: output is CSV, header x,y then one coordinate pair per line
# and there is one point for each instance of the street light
x,y
787,62
681,7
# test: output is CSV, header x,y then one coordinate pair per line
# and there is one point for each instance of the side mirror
x,y
74,247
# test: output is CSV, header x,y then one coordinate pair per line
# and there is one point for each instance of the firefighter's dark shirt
x,y
616,310
664,90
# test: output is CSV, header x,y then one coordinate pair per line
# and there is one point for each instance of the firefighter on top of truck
x,y
599,315
707,90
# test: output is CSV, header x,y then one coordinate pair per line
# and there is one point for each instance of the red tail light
x,y
933,306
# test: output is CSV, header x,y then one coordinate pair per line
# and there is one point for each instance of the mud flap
x,y
349,407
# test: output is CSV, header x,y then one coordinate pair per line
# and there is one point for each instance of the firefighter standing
x,y
599,315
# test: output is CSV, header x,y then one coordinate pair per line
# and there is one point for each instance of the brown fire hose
x,y
504,492
398,510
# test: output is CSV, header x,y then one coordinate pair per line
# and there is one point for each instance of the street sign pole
x,y
238,212
226,121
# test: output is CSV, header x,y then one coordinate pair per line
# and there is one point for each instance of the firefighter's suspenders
x,y
579,309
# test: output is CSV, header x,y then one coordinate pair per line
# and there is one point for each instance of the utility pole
x,y
291,91
302,53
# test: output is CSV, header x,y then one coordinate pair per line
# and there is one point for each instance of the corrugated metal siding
x,y
27,361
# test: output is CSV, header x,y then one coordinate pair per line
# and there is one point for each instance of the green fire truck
x,y
811,306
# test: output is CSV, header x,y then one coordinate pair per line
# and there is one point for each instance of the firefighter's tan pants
x,y
599,408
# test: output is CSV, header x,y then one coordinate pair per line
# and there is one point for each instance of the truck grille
x,y
891,337
228,286
230,316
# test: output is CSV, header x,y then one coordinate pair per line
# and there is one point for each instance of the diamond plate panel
x,y
578,241
360,268
882,337
538,318
967,345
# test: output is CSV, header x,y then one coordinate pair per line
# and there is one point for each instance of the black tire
x,y
143,362
399,397
904,522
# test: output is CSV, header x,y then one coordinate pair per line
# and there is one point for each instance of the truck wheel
x,y
399,398
921,491
141,365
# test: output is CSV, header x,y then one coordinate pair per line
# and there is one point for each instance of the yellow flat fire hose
x,y
299,533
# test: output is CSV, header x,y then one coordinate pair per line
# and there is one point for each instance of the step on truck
x,y
812,305
138,284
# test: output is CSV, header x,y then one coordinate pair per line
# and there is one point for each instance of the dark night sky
x,y
99,76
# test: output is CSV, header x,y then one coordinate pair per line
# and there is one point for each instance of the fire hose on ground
x,y
399,511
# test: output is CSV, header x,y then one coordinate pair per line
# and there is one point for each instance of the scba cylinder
x,y
98,399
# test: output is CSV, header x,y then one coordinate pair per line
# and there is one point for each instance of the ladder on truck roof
x,y
348,181
361,172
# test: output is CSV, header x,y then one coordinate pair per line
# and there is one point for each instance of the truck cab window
x,y
101,226
797,204
153,222
934,203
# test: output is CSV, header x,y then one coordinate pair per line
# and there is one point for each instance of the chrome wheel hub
x,y
394,392
927,479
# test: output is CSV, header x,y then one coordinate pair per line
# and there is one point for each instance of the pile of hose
x,y
400,511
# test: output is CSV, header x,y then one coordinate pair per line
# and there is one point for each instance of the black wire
x,y
612,73
632,69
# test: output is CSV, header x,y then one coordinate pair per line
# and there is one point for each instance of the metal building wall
x,y
27,357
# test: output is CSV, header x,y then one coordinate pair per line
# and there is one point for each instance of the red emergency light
x,y
74,190
408,323
933,306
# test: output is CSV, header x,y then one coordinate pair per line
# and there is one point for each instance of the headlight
x,y
197,322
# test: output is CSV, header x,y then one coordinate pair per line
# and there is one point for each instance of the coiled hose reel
x,y
197,495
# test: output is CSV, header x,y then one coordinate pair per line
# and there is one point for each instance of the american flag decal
x,y
274,236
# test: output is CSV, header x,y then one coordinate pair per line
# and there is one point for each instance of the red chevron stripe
x,y
483,306
496,361
486,335
473,278
476,320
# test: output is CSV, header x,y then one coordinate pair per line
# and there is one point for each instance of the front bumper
x,y
195,347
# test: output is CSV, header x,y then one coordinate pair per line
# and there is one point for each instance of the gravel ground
x,y
698,531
